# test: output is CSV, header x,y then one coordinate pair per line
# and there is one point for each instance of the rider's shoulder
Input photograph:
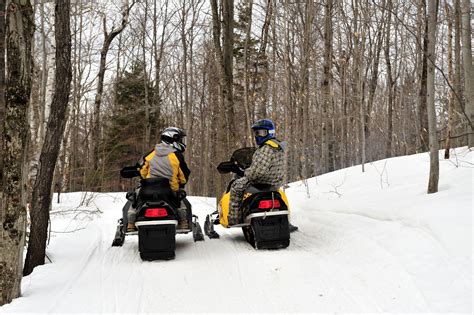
x,y
273,144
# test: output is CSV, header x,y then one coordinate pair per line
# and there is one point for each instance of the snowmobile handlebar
x,y
239,161
129,172
227,167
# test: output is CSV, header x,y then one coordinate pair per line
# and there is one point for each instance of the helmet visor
x,y
261,132
183,140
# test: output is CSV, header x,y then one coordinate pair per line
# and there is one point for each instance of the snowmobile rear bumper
x,y
266,214
157,239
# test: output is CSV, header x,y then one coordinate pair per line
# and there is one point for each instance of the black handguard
x,y
181,194
129,172
132,197
239,171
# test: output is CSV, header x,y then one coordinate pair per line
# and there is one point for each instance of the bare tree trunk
x,y
274,84
287,109
187,105
41,200
108,38
458,105
158,54
227,58
390,83
248,116
220,134
302,118
356,78
204,132
423,82
147,141
76,97
326,86
434,155
40,111
372,88
2,87
468,67
262,58
344,119
451,100
224,55
44,81
19,37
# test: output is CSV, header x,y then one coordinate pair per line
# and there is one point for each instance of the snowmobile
x,y
157,217
264,208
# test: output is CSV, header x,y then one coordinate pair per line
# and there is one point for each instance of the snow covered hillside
x,y
367,242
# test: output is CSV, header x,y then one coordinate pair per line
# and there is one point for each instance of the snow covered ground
x,y
367,242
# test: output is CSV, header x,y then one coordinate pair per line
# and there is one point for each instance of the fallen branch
x,y
381,174
64,232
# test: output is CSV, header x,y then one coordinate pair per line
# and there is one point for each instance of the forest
x,y
87,86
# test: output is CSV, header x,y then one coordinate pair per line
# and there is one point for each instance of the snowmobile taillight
x,y
269,204
156,212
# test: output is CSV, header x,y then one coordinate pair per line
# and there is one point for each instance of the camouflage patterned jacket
x,y
267,164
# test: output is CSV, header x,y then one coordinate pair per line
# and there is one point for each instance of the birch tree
x,y
41,199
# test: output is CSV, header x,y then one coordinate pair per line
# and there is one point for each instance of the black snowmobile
x,y
157,217
264,207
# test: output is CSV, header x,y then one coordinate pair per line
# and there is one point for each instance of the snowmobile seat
x,y
156,189
254,188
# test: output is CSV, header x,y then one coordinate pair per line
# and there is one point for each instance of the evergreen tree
x,y
124,141
255,60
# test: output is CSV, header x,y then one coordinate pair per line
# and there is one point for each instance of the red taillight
x,y
155,212
269,204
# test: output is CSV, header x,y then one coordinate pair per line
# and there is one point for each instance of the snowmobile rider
x,y
266,168
166,160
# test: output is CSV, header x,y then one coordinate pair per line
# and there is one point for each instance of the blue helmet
x,y
264,130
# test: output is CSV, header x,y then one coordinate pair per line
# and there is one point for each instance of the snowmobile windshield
x,y
244,156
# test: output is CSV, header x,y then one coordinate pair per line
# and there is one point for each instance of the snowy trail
x,y
380,244
336,263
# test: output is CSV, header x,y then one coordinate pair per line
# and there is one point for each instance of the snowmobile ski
x,y
197,230
119,234
292,228
209,228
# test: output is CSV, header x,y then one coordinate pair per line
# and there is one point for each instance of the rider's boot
x,y
183,219
131,227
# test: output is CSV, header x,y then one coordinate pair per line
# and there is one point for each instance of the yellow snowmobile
x,y
264,208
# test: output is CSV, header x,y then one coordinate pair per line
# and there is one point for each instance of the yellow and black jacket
x,y
165,161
